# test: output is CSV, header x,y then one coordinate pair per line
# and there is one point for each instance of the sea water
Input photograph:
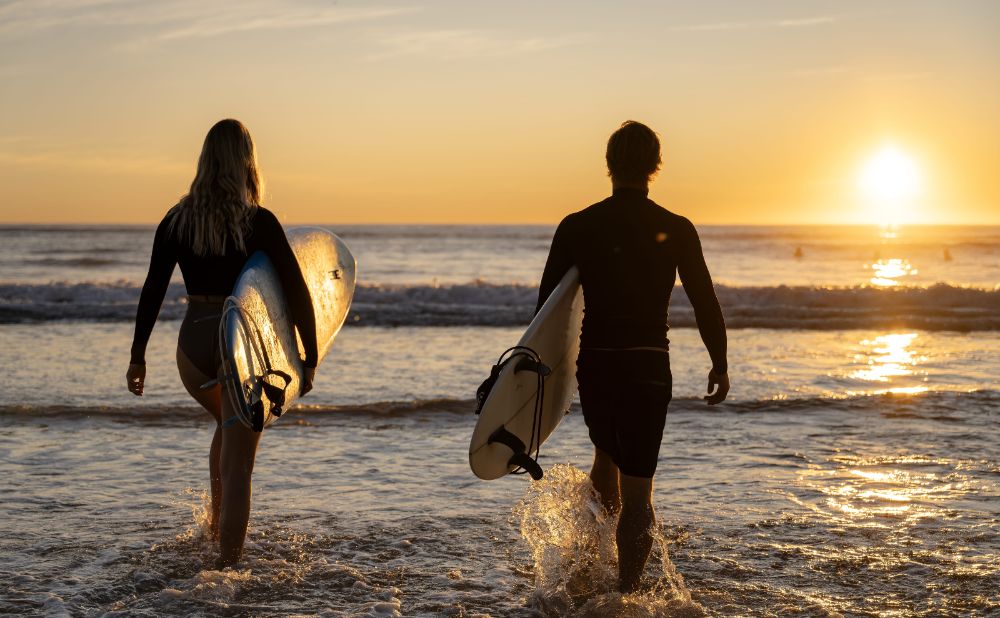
x,y
854,471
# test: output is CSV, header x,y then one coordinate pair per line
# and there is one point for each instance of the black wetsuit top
x,y
629,251
215,275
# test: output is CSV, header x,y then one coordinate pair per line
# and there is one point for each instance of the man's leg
x,y
604,476
635,530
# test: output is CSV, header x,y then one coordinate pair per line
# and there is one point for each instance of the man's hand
x,y
308,374
720,385
135,378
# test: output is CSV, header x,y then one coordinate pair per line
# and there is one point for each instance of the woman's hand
x,y
720,382
308,374
135,377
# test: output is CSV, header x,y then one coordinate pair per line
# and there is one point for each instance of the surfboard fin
x,y
484,389
529,364
521,458
525,462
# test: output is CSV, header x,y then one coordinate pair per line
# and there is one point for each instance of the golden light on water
x,y
890,181
887,273
891,358
884,493
870,490
888,358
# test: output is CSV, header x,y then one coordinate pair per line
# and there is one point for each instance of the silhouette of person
x,y
210,233
628,251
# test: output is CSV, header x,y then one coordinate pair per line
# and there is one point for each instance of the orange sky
x,y
456,112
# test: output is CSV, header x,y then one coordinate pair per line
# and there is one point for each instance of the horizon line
x,y
502,224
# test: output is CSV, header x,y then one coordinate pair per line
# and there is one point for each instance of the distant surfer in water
x,y
629,251
210,233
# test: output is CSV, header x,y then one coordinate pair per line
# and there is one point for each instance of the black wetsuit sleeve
x,y
272,240
161,267
698,285
559,261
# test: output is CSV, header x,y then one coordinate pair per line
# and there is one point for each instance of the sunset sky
x,y
458,112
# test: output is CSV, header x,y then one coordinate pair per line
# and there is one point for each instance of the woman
x,y
210,233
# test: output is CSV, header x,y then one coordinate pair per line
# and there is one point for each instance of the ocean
x,y
854,471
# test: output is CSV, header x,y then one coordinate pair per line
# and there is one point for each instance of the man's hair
x,y
633,153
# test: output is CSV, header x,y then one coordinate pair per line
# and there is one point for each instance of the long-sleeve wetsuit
x,y
216,275
628,251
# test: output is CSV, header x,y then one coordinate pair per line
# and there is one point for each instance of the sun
x,y
890,181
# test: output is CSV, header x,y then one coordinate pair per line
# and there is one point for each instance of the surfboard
x,y
513,420
260,346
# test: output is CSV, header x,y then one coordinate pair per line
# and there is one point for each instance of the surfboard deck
x,y
554,334
260,342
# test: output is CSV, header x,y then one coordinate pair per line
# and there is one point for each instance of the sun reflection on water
x,y
893,493
889,357
887,273
869,490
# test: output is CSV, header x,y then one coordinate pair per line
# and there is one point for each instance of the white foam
x,y
479,303
572,541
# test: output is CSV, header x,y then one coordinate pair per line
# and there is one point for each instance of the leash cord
x,y
534,443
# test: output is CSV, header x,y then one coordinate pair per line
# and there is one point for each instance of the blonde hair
x,y
224,195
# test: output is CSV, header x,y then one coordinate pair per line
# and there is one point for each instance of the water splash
x,y
572,542
212,587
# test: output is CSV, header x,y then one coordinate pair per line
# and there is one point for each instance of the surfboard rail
x,y
259,343
526,404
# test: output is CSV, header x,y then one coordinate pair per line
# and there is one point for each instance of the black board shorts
x,y
624,395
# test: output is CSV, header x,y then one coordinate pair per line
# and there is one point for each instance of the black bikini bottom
x,y
199,336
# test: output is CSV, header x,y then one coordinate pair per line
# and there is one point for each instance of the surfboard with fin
x,y
260,346
530,389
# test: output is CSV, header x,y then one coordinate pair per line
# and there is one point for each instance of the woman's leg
x,y
211,400
239,449
215,480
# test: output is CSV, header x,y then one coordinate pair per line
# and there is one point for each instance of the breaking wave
x,y
937,307
933,405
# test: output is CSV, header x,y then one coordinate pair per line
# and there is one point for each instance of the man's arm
x,y
559,261
697,282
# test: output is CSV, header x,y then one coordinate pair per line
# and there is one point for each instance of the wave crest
x,y
938,307
931,404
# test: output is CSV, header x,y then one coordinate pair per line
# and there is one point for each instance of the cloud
x,y
277,20
799,22
466,43
906,76
179,19
860,73
839,69
94,162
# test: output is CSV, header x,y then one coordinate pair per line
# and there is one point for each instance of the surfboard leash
x,y
529,360
254,340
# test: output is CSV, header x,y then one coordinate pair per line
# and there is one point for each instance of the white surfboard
x,y
510,407
260,347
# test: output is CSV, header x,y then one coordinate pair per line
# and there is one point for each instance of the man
x,y
628,251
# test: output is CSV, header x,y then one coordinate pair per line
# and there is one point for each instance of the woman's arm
x,y
161,267
271,238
